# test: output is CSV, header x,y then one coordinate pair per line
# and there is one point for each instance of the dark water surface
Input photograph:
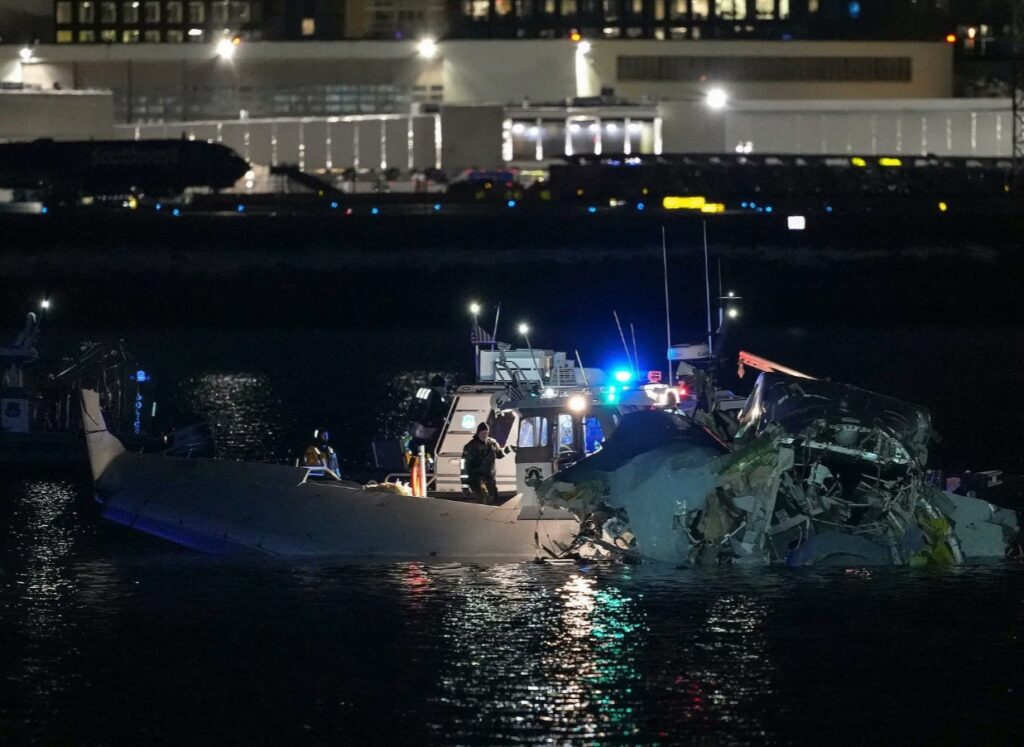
x,y
109,638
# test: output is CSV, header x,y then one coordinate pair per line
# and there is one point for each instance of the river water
x,y
107,637
112,638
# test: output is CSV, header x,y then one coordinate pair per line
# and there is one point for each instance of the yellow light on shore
x,y
890,162
673,202
943,207
713,207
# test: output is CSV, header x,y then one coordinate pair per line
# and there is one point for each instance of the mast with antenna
x,y
707,290
668,318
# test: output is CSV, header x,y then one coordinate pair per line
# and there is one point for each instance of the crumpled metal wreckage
x,y
811,472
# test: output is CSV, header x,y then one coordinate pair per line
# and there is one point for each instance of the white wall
x,y
65,115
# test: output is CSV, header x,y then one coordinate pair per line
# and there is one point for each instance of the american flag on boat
x,y
480,336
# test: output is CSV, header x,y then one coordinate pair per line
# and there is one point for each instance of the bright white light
x,y
474,308
732,313
577,403
716,98
583,47
611,127
518,128
594,127
524,329
635,127
195,32
25,53
574,128
427,49
732,294
45,303
534,131
225,49
796,222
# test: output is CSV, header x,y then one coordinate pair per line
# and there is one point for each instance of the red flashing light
x,y
683,391
951,38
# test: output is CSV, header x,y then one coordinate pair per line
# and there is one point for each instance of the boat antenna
x,y
582,369
623,338
497,316
668,319
707,289
636,357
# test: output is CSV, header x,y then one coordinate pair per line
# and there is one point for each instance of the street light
x,y
25,53
226,48
44,304
474,309
427,48
716,98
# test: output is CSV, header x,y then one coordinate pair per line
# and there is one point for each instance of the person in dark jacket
x,y
478,458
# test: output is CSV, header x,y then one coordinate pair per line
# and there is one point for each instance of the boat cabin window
x,y
593,434
533,432
501,427
565,430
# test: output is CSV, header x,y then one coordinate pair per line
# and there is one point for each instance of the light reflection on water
x,y
98,623
245,409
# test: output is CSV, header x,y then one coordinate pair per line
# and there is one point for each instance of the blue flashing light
x,y
853,9
612,395
240,208
760,210
640,206
44,210
768,209
511,203
591,209
828,208
334,205
141,376
159,206
374,210
175,212
753,204
437,207
623,376
743,204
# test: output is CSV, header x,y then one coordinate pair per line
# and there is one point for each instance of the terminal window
x,y
174,12
63,14
152,12
86,13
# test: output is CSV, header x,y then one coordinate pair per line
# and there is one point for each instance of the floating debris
x,y
812,472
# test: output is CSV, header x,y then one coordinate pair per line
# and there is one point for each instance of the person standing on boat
x,y
478,459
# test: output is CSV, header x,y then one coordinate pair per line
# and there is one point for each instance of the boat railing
x,y
322,473
399,476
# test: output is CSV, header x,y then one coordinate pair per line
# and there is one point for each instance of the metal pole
x,y
536,366
623,338
668,318
423,471
497,316
476,345
582,369
707,289
636,357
